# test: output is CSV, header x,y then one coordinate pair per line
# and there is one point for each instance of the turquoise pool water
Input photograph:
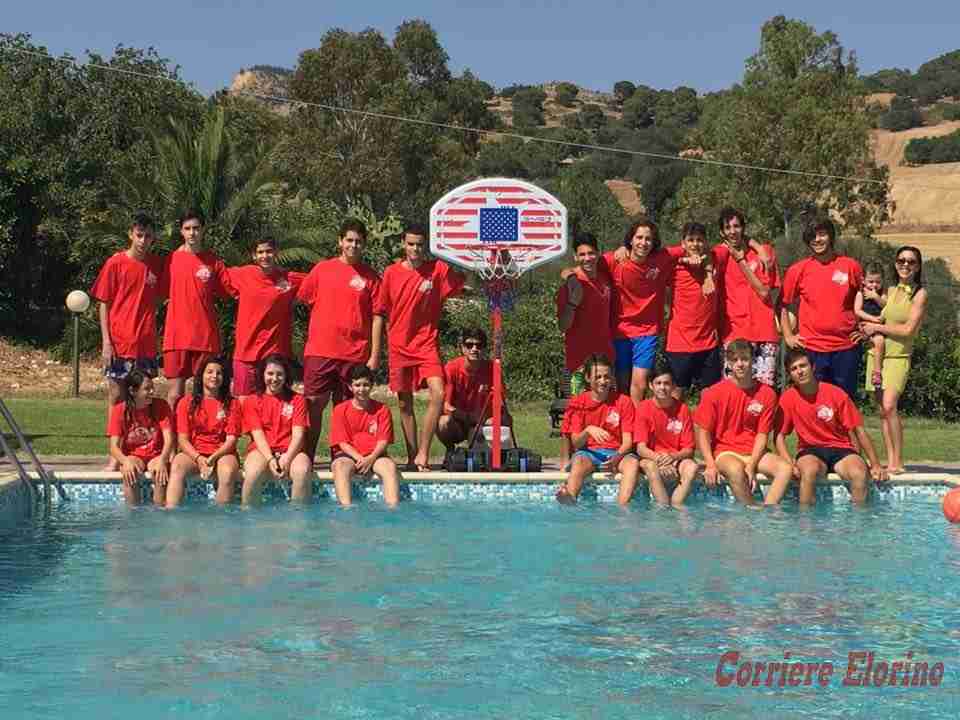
x,y
463,610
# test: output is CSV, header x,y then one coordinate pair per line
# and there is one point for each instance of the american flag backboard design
x,y
492,214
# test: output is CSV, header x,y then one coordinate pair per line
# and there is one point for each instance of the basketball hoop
x,y
498,228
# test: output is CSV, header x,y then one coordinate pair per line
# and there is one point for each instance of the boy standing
x,y
601,432
824,286
663,432
361,429
412,296
749,279
343,330
732,424
129,287
693,343
265,295
824,417
191,334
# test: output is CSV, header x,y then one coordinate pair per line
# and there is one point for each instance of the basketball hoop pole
x,y
497,320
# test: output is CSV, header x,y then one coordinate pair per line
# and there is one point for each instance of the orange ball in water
x,y
951,505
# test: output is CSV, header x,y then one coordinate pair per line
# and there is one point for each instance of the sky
x,y
593,43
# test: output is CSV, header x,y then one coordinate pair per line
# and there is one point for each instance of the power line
x,y
502,133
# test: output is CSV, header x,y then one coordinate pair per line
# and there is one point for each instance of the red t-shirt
x,y
615,415
412,299
641,290
132,289
825,292
735,416
276,417
824,419
693,315
143,437
469,391
342,297
209,426
745,315
663,429
196,280
264,310
362,429
592,328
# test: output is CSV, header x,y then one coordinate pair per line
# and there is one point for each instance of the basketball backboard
x,y
472,225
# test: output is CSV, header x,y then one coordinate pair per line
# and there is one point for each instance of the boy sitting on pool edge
x,y
601,433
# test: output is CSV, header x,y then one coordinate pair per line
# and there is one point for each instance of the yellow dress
x,y
897,351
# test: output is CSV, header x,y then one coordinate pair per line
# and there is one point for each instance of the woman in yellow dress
x,y
902,315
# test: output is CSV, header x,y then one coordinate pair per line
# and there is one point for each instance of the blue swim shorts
x,y
638,352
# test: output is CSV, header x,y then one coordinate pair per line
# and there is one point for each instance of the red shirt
x,y
592,328
641,290
208,427
823,419
196,280
735,416
615,415
468,391
413,300
663,429
264,310
341,318
362,429
745,315
826,292
276,417
143,437
694,316
131,288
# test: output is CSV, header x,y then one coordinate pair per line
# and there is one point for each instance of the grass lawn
x,y
76,427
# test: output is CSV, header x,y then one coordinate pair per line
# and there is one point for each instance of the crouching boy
x,y
601,433
663,431
361,429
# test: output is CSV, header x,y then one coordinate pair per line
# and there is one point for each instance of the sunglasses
x,y
471,344
909,262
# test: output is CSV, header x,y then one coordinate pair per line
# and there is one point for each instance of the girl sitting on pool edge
x,y
277,421
208,424
141,437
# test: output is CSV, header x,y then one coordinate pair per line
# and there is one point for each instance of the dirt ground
x,y
26,371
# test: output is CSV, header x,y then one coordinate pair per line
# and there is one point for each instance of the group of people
x,y
726,317
350,304
727,311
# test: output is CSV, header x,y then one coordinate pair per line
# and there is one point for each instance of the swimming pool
x,y
465,609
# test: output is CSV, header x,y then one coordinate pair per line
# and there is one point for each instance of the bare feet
x,y
564,497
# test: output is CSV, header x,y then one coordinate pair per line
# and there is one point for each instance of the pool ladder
x,y
48,482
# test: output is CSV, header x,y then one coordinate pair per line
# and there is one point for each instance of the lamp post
x,y
77,302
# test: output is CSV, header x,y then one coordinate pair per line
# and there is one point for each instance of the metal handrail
x,y
21,471
41,471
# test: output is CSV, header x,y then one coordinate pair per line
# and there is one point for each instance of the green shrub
x,y
567,94
929,150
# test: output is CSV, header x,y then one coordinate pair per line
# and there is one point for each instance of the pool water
x,y
471,610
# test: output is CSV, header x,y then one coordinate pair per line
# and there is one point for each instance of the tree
x,y
623,90
65,149
528,107
426,60
800,109
592,117
566,94
678,108
902,115
591,207
639,108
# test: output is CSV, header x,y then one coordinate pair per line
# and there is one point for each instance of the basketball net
x,y
498,269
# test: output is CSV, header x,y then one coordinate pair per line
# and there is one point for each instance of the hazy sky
x,y
592,43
